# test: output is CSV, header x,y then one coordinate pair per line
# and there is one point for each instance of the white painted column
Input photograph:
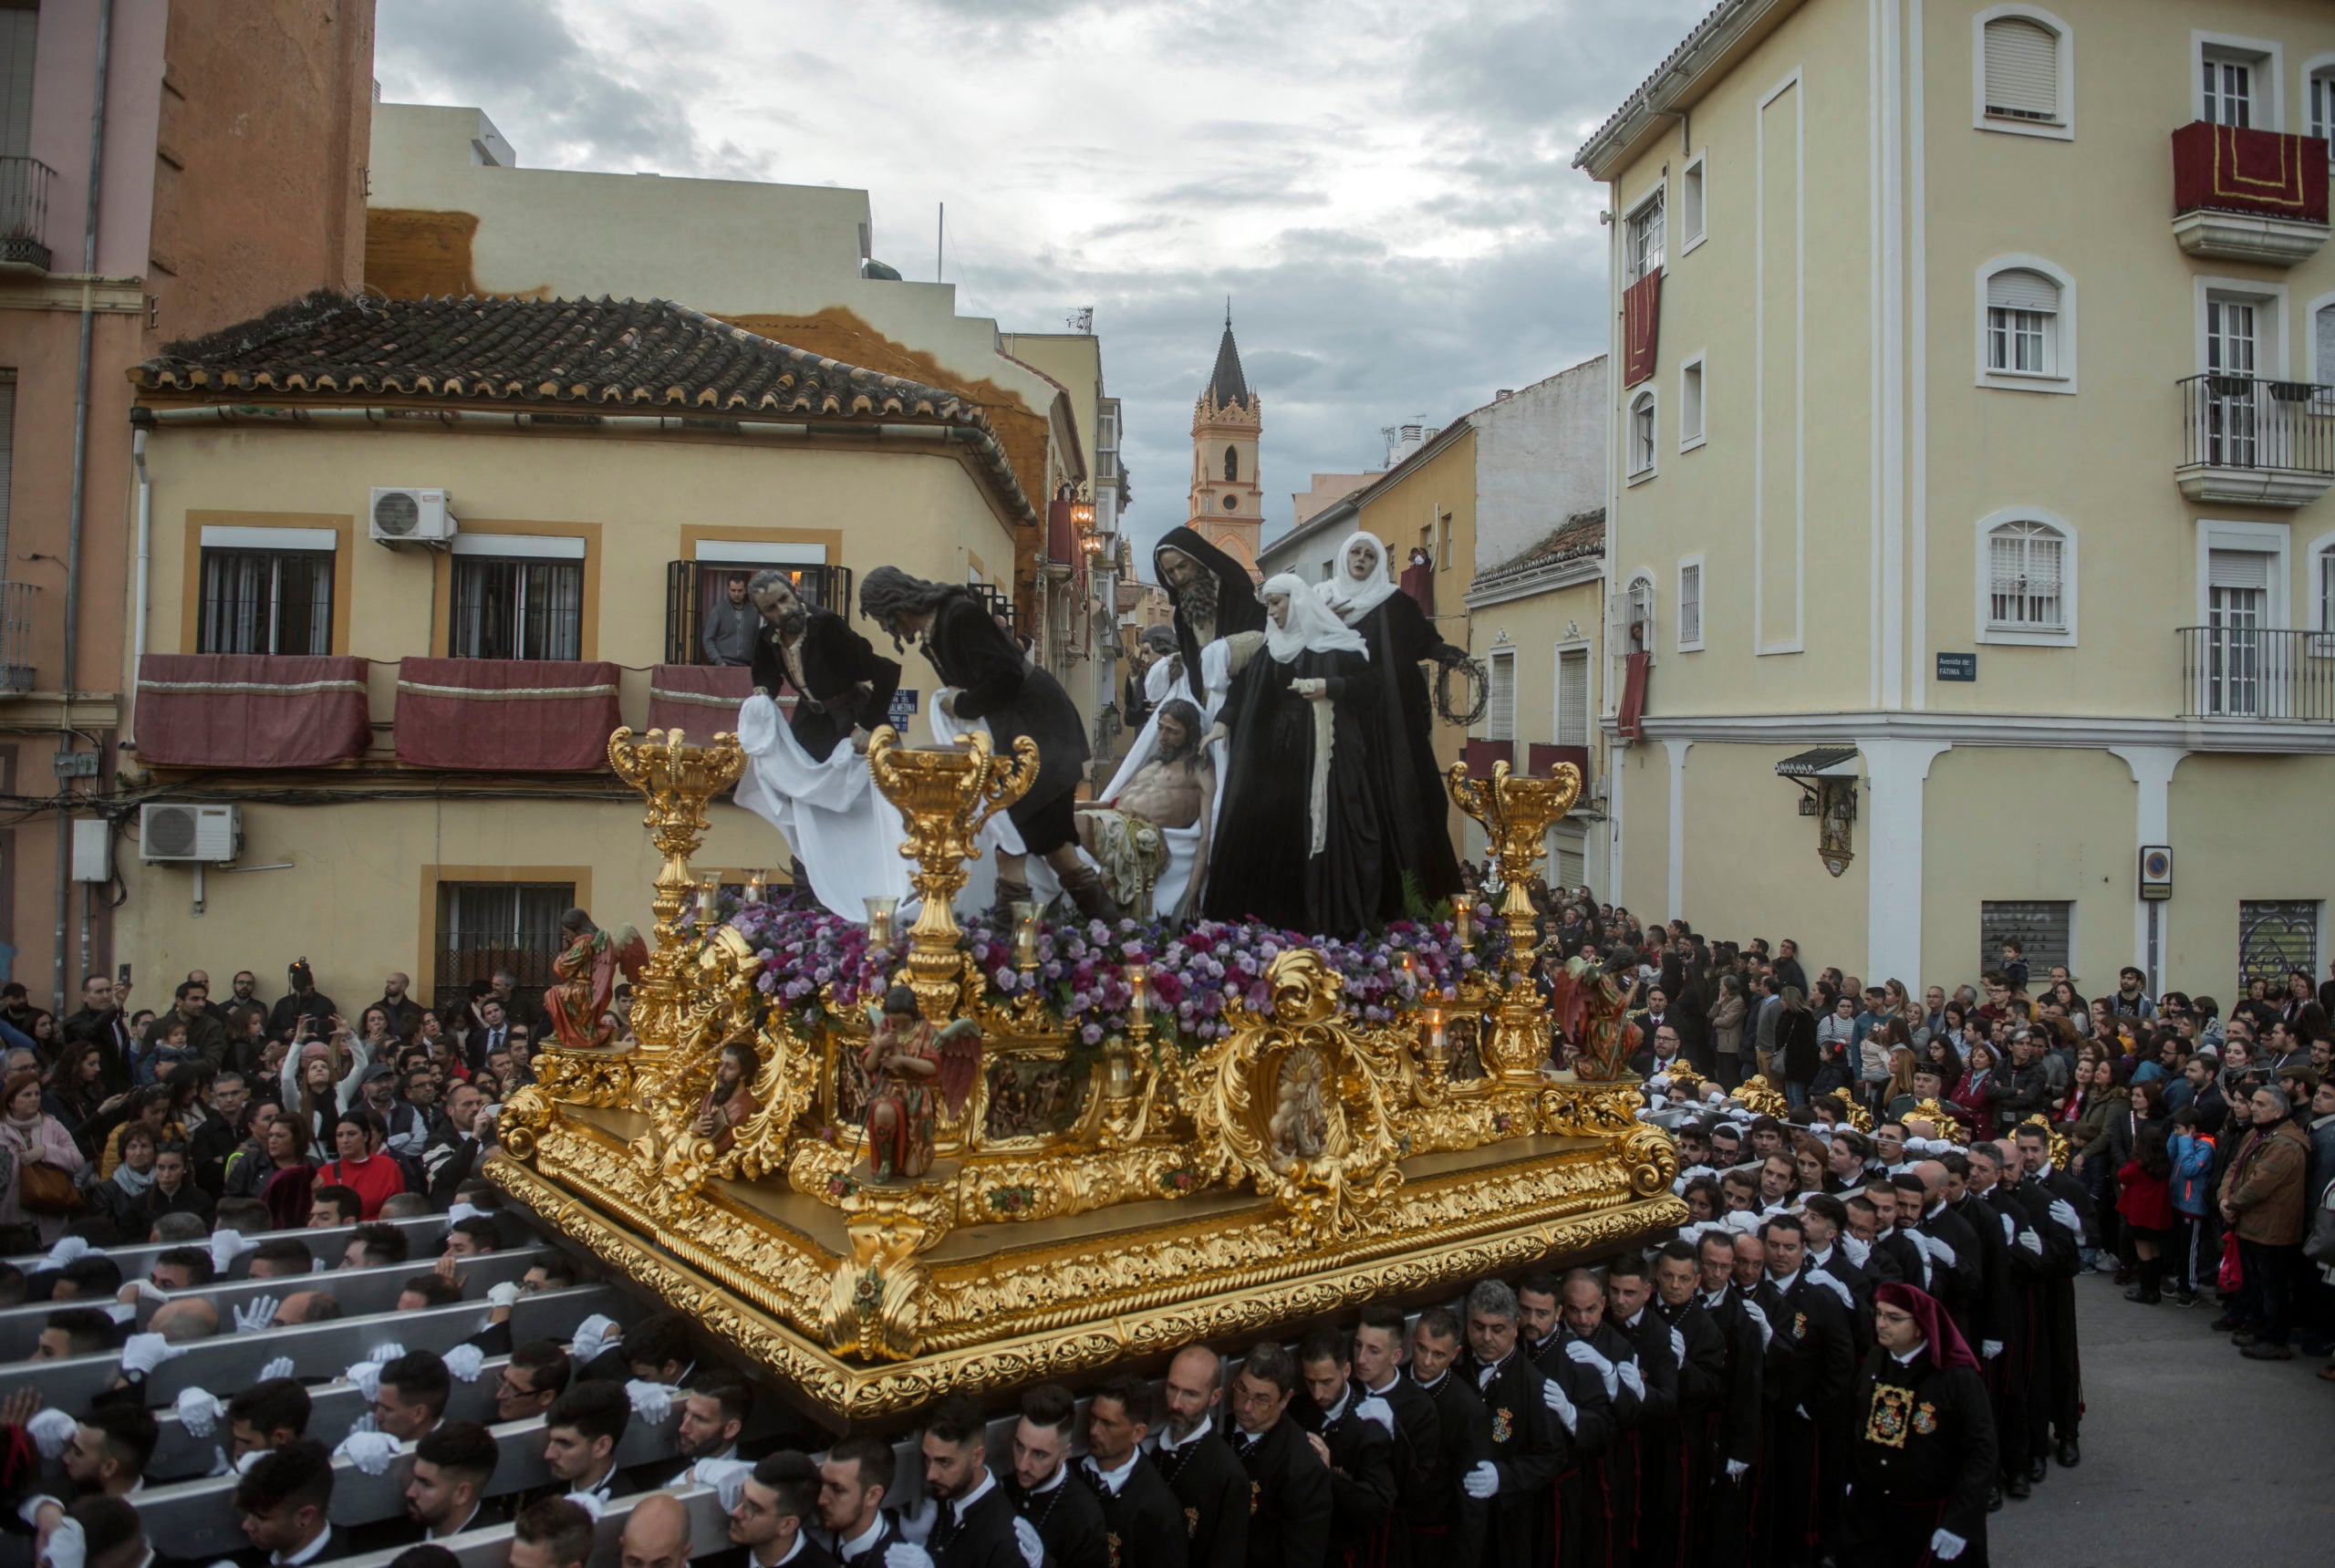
x,y
1676,890
2153,769
1891,821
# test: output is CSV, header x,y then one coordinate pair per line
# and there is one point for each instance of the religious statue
x,y
730,1099
1302,841
843,688
906,1060
579,1007
1300,1130
1592,1005
1212,596
1137,834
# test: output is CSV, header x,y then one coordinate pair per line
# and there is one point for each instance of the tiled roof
x,y
610,355
1722,19
1228,386
1580,536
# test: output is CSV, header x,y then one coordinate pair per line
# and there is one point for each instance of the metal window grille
x,y
2024,565
1645,238
1690,605
487,926
1499,717
1572,697
693,587
517,608
7,458
2022,69
266,601
2045,929
2275,936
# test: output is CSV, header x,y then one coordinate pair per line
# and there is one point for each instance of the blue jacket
x,y
2193,1173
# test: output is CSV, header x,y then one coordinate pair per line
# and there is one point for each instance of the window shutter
x,y
7,460
1573,695
2016,289
1690,604
2006,563
1499,717
2022,69
2244,570
2325,364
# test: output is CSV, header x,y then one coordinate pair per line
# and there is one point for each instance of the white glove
x,y
226,1246
122,1311
2031,1241
1858,1251
1945,1546
1818,1276
144,1291
458,1212
67,1546
591,1502
593,1336
1737,1469
369,1451
68,1250
1583,1351
901,1554
1483,1481
385,1354
1631,1378
1558,1406
464,1361
367,1376
1677,1347
1032,1546
652,1402
199,1412
280,1367
51,1430
257,1314
143,1353
1991,1348
726,1477
1374,1408
364,1423
243,1465
2064,1214
505,1294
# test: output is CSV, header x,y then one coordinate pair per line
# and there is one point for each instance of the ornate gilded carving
x,y
1854,1112
1517,811
676,779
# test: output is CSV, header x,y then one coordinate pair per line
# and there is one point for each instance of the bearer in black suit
x,y
776,1504
841,684
1289,1508
1143,1524
1922,1441
1812,1361
1527,1437
1198,1463
976,1526
285,1501
1065,1515
1447,1525
1353,1434
853,1480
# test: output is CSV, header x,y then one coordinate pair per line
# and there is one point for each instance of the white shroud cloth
x,y
1183,843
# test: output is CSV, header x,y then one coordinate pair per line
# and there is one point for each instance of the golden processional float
x,y
1303,1159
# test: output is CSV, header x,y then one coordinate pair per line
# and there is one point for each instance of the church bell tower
x,y
1227,500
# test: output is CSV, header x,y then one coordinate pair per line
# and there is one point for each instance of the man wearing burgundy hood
x,y
1921,1442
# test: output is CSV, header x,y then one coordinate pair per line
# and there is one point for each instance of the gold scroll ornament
x,y
1517,810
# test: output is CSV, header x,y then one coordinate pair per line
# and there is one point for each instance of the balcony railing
x,y
16,638
2249,672
2248,195
24,213
2256,441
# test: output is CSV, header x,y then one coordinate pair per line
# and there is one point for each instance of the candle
x,y
1025,934
1410,970
880,913
754,885
1438,1043
1139,985
708,891
1463,921
1118,1077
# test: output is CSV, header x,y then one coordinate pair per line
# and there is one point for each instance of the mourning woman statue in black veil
x,y
1212,597
1301,840
1399,635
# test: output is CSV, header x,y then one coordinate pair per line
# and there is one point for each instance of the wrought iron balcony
x,y
24,213
2239,671
16,638
2256,442
2248,195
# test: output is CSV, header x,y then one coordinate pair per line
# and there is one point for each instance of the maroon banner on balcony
x,y
2231,169
1546,759
1479,756
700,700
506,715
1641,323
1627,719
250,710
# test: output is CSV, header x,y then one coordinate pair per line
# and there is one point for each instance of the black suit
x,y
1363,1484
837,663
1677,1477
117,1056
1960,1283
811,1555
1143,1522
995,683
449,1159
1528,1447
1738,1506
872,1556
979,1534
1447,1525
2063,1374
1655,1440
1289,1497
1213,1490
1574,1534
1812,1361
1068,1517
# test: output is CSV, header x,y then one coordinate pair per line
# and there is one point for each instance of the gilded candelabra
x,y
677,780
1516,811
945,797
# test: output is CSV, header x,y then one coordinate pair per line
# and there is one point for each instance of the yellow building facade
x,y
1969,437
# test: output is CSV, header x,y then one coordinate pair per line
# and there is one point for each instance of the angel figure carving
x,y
907,1060
1300,1129
579,1008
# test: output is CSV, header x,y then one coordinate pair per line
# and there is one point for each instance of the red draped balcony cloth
x,y
700,700
251,710
506,715
2232,169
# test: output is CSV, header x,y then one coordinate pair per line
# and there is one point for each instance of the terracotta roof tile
x,y
1578,537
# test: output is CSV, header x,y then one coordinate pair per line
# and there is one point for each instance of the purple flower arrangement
x,y
1197,970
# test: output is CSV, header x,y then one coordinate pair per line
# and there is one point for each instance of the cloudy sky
x,y
1386,190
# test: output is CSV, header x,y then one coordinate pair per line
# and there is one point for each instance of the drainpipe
x,y
81,487
145,558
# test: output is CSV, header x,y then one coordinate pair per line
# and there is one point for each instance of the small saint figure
x,y
1174,792
580,1007
1592,1005
906,1060
730,1101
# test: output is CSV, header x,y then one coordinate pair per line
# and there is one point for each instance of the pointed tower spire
x,y
1226,386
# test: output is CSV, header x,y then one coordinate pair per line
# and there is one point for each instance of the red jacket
x,y
375,1181
2146,1200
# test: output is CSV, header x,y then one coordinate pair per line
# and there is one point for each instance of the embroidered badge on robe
x,y
1926,1418
1885,1424
1503,1423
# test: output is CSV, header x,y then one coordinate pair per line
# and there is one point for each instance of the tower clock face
x,y
1232,504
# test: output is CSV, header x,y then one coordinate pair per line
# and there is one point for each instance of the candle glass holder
x,y
1025,934
882,914
756,886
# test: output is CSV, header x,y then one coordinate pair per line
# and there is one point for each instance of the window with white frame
x,y
1643,237
2322,106
2026,577
1642,434
1690,404
2323,334
2022,69
265,601
2022,322
518,606
1629,619
2232,88
1692,216
1499,711
1572,697
1690,605
2322,600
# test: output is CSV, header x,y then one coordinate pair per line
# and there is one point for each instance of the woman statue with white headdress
x,y
1301,839
1400,638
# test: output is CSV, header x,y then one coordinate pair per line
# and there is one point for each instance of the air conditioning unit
x,y
411,514
211,832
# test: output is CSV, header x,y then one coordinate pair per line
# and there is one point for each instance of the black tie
x,y
944,1528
